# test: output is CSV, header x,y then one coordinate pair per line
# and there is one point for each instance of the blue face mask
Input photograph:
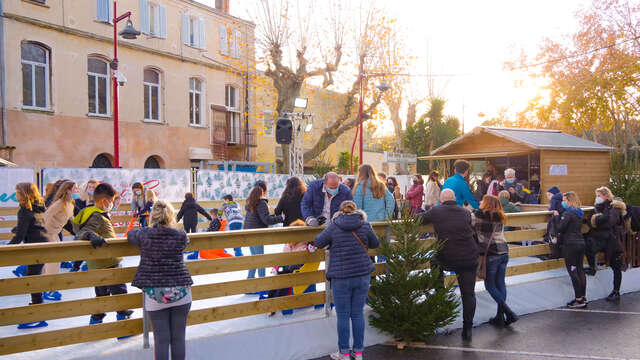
x,y
332,192
565,205
75,196
510,180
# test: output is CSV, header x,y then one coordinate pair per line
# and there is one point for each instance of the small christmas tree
x,y
410,300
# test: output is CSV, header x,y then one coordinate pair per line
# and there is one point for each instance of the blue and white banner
x,y
9,177
214,185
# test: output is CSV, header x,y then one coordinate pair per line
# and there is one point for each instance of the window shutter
x,y
185,29
224,45
201,34
163,21
103,10
237,41
144,16
156,20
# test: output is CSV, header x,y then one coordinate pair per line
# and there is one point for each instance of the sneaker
x,y
577,304
340,356
193,255
84,268
32,325
614,296
52,295
96,319
357,356
20,271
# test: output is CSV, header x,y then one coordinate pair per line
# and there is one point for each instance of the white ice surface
x,y
305,334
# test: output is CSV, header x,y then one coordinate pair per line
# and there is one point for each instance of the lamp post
x,y
382,87
127,33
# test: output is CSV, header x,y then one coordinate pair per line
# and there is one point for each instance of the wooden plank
x,y
527,218
535,267
8,224
524,235
65,309
524,251
76,335
6,236
8,211
28,284
255,308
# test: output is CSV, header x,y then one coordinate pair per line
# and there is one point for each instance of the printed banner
x,y
168,184
9,177
214,185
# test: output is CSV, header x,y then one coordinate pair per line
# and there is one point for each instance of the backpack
x,y
551,238
633,213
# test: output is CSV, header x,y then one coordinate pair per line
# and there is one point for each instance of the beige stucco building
x,y
184,100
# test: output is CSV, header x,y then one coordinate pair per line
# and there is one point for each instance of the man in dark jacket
x,y
323,199
459,251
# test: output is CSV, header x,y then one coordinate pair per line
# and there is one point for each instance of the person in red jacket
x,y
415,194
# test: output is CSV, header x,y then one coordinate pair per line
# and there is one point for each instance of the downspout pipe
x,y
3,85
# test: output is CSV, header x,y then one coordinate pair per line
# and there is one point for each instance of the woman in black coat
x,y
569,226
258,217
607,230
164,280
289,203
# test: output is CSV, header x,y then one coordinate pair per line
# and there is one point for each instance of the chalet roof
x,y
538,139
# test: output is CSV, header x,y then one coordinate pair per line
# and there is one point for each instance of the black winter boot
x,y
466,333
510,315
499,319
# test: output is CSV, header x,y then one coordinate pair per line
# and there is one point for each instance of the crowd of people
x,y
471,223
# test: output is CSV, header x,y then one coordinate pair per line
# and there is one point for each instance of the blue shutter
x,y
224,45
144,16
185,29
103,10
201,37
163,21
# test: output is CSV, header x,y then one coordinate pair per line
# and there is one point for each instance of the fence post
x,y
145,324
327,286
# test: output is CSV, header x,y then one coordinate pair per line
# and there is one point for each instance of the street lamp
x,y
129,33
382,88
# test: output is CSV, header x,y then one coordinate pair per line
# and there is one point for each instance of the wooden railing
x,y
12,255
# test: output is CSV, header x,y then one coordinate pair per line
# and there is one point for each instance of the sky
x,y
472,40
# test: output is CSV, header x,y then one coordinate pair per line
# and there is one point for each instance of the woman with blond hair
x,y
488,224
607,229
164,280
29,230
371,195
569,226
349,237
58,216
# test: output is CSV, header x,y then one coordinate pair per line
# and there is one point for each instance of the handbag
x,y
481,272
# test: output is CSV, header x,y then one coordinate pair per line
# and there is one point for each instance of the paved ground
x,y
604,331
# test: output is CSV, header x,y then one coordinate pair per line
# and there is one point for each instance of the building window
x,y
105,9
98,81
193,31
233,114
195,101
153,19
152,163
267,122
224,40
152,95
35,76
102,161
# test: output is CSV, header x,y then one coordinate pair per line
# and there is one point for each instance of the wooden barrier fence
x,y
13,255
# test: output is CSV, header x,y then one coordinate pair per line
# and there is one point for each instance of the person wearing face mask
x,y
323,199
569,226
607,230
57,217
138,202
514,188
394,189
555,199
94,224
86,196
415,194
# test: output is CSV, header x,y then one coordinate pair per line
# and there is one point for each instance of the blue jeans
x,y
494,282
256,250
349,296
236,225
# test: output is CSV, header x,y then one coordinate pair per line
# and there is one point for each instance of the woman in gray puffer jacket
x,y
348,237
164,280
